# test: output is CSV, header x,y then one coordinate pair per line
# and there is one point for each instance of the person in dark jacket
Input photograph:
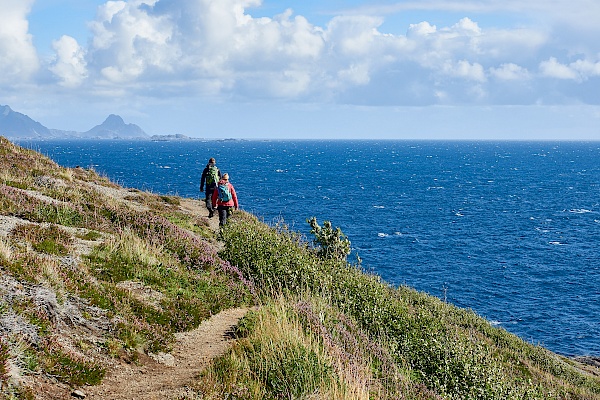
x,y
224,199
211,176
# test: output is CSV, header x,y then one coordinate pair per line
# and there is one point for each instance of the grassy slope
x,y
91,271
325,329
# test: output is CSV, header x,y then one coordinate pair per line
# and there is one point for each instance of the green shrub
x,y
332,243
274,258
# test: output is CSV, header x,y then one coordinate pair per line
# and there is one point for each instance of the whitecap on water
x,y
378,206
382,234
555,243
580,211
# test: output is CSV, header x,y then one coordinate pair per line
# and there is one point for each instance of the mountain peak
x,y
113,118
5,110
114,127
113,122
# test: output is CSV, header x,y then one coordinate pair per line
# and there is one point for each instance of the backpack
x,y
224,192
212,177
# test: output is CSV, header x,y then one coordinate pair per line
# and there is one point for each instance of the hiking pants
x,y
224,213
208,199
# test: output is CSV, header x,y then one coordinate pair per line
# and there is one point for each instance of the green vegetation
x,y
275,358
332,243
71,368
125,270
418,346
49,239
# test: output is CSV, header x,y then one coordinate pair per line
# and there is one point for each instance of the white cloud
x,y
465,70
421,29
128,41
579,13
579,70
352,36
551,68
213,45
18,57
70,66
357,74
510,72
218,48
465,27
586,69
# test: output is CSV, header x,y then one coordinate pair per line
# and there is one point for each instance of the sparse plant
x,y
49,239
66,174
171,200
332,243
6,250
91,235
4,366
71,368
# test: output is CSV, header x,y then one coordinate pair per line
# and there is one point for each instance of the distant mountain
x,y
19,126
115,128
14,125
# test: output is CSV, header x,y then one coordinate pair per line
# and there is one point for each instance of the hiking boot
x,y
211,213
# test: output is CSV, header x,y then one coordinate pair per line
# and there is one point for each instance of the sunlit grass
x,y
276,358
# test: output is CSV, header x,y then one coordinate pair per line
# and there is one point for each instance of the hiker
x,y
224,199
211,175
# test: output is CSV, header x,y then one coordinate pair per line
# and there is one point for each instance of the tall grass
x,y
275,357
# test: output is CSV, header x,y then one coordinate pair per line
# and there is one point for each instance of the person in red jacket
x,y
224,199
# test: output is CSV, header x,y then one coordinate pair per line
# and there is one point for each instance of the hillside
x,y
108,292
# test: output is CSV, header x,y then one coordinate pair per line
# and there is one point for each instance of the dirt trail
x,y
169,376
155,380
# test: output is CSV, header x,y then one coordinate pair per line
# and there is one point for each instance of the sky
x,y
327,69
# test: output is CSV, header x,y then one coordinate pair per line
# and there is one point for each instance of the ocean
x,y
510,230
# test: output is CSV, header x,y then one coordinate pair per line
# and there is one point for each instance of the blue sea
x,y
508,229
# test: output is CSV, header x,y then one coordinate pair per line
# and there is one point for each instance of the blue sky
x,y
427,69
